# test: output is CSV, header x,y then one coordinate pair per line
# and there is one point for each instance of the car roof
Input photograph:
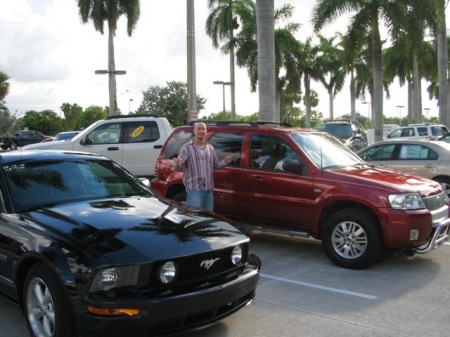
x,y
8,157
271,127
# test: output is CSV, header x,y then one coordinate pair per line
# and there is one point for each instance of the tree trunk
x,y
232,78
308,100
112,75
377,122
352,96
417,116
266,60
444,117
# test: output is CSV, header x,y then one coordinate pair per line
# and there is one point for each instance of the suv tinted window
x,y
175,143
438,131
228,143
422,131
141,132
105,134
273,153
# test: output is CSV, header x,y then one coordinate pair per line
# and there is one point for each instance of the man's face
x,y
200,130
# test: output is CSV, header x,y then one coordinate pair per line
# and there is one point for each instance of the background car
x,y
351,133
88,250
134,141
66,135
419,131
425,158
307,183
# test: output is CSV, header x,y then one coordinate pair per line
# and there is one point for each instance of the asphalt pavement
x,y
301,293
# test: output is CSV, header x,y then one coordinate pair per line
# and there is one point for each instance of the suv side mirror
x,y
86,141
293,166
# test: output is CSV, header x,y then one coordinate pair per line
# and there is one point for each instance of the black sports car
x,y
87,249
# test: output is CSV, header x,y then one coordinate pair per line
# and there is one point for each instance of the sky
x,y
51,57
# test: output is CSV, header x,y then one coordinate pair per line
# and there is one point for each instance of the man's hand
x,y
228,159
177,161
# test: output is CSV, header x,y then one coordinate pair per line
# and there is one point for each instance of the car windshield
x,y
326,151
46,183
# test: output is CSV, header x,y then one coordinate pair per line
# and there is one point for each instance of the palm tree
x,y
286,75
419,15
308,69
332,72
266,59
4,86
221,23
367,17
444,101
100,11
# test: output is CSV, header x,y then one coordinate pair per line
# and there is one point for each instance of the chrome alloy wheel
x,y
40,308
349,240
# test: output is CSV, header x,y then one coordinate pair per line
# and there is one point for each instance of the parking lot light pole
x,y
400,113
223,91
129,105
368,112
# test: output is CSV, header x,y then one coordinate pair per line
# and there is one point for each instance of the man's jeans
x,y
201,199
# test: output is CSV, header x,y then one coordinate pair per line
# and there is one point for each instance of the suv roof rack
x,y
132,116
249,123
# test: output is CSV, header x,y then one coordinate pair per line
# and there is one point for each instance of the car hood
x,y
58,144
137,229
387,179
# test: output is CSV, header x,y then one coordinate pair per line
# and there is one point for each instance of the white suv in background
x,y
418,131
134,141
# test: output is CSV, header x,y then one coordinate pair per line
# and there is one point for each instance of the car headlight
x,y
407,201
115,277
168,272
236,255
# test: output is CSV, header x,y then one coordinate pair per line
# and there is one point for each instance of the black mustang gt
x,y
87,249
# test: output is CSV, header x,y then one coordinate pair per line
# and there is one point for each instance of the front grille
x,y
435,201
199,270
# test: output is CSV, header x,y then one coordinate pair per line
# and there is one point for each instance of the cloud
x,y
51,57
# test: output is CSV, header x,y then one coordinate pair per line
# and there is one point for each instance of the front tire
x,y
46,306
352,239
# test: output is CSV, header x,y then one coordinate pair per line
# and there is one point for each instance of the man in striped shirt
x,y
199,159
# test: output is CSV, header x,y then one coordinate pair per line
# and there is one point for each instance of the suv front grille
x,y
435,201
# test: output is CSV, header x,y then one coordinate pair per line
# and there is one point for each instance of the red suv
x,y
307,183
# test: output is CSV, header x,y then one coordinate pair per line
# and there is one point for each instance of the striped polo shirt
x,y
198,166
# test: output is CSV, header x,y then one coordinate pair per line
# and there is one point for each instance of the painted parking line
x,y
317,286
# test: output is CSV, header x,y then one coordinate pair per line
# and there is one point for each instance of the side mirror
x,y
86,141
293,166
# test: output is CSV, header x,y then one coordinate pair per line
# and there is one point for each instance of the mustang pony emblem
x,y
208,263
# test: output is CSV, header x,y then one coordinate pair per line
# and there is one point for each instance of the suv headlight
x,y
406,201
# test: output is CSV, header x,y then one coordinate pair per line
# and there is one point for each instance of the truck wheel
x,y
46,306
352,239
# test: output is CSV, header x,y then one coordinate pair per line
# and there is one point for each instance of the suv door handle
x,y
115,148
256,178
157,147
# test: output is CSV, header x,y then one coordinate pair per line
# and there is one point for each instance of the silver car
x,y
425,158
